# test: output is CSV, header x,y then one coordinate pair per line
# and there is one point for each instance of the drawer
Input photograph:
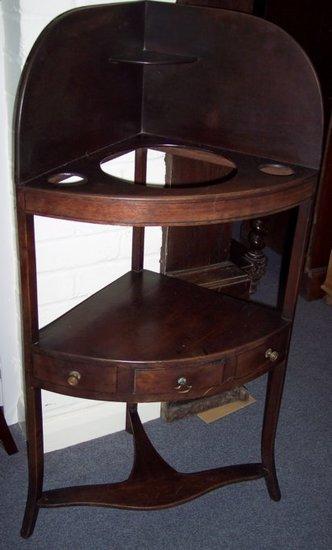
x,y
74,375
272,351
178,381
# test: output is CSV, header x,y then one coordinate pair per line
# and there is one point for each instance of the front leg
x,y
274,389
35,447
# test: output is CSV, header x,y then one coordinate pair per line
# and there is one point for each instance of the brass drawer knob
x,y
182,386
271,354
73,378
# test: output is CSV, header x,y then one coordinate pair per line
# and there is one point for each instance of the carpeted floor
x,y
240,517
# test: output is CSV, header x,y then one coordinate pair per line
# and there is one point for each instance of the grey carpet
x,y
236,517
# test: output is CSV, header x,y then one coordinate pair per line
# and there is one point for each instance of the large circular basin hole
x,y
170,166
274,169
67,179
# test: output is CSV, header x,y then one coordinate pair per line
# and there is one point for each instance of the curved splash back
x,y
99,75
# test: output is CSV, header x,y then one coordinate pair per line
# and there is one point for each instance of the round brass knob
x,y
182,386
271,354
73,378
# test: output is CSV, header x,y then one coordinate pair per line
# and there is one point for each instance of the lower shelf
x,y
154,494
152,484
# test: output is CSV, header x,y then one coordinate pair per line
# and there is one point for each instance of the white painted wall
x,y
73,259
10,337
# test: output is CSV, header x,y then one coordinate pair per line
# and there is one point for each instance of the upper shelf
x,y
238,186
146,57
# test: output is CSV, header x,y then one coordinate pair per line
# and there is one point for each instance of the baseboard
x,y
73,426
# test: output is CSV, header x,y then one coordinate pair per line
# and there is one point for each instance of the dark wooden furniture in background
x,y
5,436
320,244
147,336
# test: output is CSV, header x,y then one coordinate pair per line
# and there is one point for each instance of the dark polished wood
x,y
274,389
287,299
182,329
138,232
149,472
310,23
35,446
165,312
149,337
137,256
5,436
34,422
230,117
105,199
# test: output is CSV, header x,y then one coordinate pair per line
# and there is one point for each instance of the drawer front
x,y
178,381
76,375
272,351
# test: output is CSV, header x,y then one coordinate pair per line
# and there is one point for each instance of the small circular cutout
x,y
65,179
274,169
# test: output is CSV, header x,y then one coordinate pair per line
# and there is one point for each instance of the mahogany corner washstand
x,y
216,86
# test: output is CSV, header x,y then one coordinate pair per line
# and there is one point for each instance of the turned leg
x,y
5,435
272,406
35,459
254,255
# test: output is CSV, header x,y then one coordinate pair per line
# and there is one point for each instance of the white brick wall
x,y
76,259
73,259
